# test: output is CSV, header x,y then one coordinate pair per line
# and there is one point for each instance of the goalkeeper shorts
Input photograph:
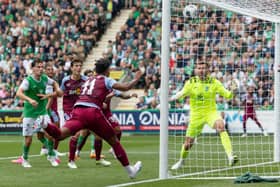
x,y
197,123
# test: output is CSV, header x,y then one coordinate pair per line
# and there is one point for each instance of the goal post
x,y
163,152
257,153
277,94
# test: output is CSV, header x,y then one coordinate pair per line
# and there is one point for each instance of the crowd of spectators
x,y
137,46
52,30
239,49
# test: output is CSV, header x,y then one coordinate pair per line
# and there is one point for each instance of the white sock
x,y
230,157
129,169
181,160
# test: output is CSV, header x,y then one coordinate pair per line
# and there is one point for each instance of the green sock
x,y
226,143
80,139
44,141
25,151
92,142
50,148
183,153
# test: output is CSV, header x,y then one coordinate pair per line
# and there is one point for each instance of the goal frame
x,y
164,111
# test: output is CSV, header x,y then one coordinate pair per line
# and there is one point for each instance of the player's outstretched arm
x,y
221,90
58,91
182,93
127,86
176,96
128,96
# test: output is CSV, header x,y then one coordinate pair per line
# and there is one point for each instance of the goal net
x,y
238,38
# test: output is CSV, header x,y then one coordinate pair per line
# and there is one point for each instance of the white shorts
x,y
34,125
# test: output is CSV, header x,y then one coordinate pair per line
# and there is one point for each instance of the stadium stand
x,y
248,60
137,45
53,31
59,30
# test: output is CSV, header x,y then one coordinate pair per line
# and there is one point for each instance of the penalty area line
x,y
83,153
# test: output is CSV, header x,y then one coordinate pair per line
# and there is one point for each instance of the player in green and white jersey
x,y
33,91
202,90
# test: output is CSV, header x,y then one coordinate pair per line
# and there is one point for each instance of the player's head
x,y
76,66
37,67
88,73
201,69
49,70
102,66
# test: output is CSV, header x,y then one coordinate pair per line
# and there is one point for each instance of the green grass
x,y
144,148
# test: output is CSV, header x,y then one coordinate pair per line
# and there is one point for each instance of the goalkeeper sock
x,y
25,152
226,143
183,153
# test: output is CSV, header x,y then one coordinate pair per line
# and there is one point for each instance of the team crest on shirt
x,y
78,91
68,84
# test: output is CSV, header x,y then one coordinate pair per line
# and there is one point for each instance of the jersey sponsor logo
x,y
75,91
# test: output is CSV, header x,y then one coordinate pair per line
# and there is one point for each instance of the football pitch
x,y
139,147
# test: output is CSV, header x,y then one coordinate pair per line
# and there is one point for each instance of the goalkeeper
x,y
202,90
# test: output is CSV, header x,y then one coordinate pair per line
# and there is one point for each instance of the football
x,y
190,11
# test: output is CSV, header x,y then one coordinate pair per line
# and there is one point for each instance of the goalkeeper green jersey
x,y
35,87
203,93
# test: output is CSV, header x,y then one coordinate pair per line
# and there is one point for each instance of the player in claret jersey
x,y
202,90
83,136
249,111
87,113
71,86
98,141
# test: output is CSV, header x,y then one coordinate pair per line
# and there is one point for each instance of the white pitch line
x,y
132,183
83,152
124,141
15,157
